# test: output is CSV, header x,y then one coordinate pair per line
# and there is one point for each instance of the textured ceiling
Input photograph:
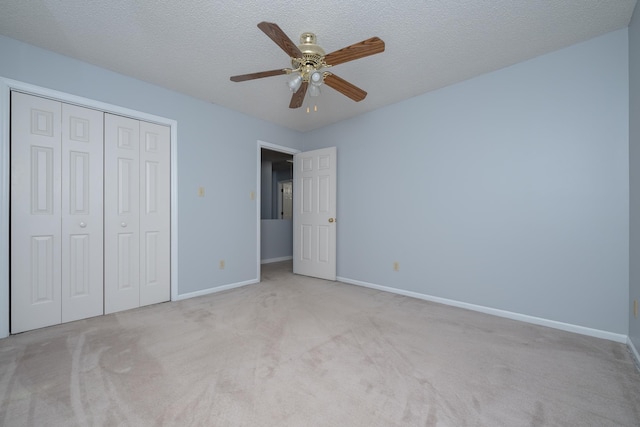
x,y
194,46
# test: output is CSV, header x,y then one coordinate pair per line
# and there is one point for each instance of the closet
x,y
137,205
90,212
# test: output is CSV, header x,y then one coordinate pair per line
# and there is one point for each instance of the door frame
x,y
6,86
272,147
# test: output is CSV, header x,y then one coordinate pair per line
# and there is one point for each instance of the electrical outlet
x,y
221,264
201,192
396,266
635,308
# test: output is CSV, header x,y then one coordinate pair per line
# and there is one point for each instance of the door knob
x,y
83,224
331,219
123,224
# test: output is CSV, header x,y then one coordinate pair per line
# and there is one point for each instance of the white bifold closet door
x,y
137,206
56,212
90,213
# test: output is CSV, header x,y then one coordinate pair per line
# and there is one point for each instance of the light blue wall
x,y
217,149
509,190
634,142
276,239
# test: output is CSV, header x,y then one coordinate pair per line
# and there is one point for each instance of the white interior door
x,y
35,212
82,220
314,217
155,205
121,213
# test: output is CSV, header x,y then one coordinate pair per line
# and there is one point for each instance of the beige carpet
x,y
296,351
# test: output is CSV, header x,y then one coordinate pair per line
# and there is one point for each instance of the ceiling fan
x,y
309,64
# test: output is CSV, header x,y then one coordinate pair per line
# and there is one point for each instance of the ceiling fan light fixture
x,y
316,78
295,82
314,90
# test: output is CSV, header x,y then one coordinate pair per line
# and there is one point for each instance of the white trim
x,y
634,352
270,260
272,147
275,147
215,290
174,210
5,169
496,312
6,86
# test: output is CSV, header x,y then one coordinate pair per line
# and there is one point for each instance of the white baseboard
x,y
479,308
270,260
215,290
496,312
634,352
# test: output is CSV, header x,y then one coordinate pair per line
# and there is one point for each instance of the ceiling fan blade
x,y
276,34
345,88
355,51
261,74
298,98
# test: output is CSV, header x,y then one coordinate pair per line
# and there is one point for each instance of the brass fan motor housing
x,y
312,56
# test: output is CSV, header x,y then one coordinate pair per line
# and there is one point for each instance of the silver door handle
x,y
123,224
83,225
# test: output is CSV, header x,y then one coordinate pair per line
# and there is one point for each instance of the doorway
x,y
274,201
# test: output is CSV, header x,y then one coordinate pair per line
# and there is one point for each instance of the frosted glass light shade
x,y
295,82
316,78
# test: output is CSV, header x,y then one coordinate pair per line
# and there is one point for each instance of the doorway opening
x,y
276,185
275,203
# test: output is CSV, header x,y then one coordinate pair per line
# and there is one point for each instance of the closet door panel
x,y
35,212
155,206
121,213
82,219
